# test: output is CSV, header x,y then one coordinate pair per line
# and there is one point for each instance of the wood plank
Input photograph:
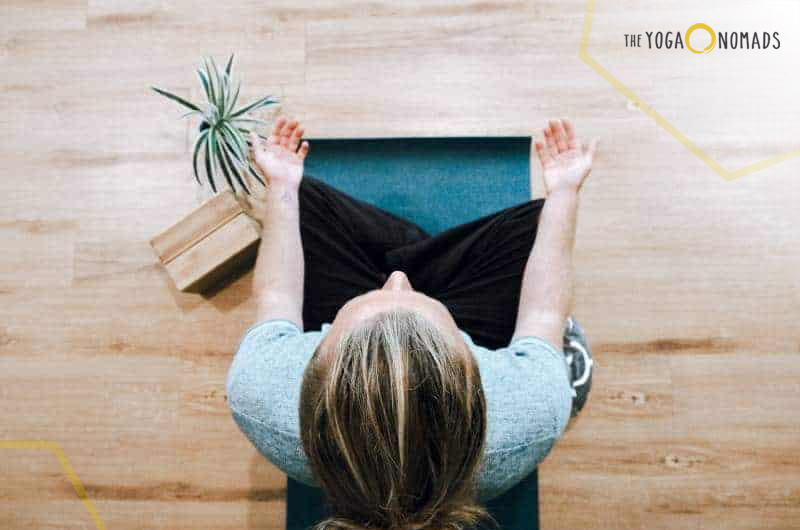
x,y
44,15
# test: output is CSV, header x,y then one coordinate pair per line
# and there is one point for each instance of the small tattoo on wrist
x,y
285,195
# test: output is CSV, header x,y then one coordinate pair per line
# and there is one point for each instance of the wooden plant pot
x,y
208,244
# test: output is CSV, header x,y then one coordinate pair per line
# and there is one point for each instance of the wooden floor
x,y
687,285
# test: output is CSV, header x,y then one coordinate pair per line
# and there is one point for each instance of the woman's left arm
x,y
279,271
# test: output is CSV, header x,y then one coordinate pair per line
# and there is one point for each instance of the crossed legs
x,y
475,269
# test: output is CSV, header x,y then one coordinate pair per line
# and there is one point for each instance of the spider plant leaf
x,y
250,167
253,172
208,161
221,106
198,144
234,99
224,99
242,146
236,170
235,142
248,120
246,133
257,104
217,160
226,95
205,82
219,156
212,92
233,158
242,143
190,113
218,166
213,115
221,89
228,77
235,138
248,163
178,99
247,166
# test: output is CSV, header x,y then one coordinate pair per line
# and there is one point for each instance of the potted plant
x,y
217,236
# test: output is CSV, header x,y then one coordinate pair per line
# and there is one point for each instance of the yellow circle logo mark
x,y
710,31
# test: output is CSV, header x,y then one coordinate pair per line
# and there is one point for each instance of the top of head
x,y
393,421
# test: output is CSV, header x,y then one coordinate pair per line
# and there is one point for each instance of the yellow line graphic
x,y
583,53
73,477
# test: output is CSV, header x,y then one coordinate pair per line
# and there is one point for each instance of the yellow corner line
x,y
73,477
583,53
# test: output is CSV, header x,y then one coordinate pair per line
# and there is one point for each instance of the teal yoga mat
x,y
438,183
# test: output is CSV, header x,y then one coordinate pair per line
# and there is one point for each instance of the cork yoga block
x,y
208,244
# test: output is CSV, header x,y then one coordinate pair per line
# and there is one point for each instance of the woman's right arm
x,y
278,276
546,294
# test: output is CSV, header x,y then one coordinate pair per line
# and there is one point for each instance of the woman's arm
x,y
279,271
546,295
278,277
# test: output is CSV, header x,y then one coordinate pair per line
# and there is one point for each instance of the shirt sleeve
x,y
528,401
263,387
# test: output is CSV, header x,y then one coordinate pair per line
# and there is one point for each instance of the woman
x,y
411,396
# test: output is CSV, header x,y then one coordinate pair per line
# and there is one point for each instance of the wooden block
x,y
207,244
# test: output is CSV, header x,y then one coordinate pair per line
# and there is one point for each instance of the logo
x,y
720,40
710,31
727,40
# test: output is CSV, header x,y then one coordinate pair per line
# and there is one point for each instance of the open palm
x,y
280,158
565,161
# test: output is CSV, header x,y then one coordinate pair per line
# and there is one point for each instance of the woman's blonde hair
x,y
393,421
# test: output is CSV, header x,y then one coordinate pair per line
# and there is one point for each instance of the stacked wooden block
x,y
208,244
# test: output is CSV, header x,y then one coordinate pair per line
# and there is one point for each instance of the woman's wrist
x,y
562,207
566,192
282,193
274,203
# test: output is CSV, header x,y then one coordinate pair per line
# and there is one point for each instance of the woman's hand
x,y
280,160
565,161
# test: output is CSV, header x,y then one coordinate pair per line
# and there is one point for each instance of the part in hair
x,y
393,421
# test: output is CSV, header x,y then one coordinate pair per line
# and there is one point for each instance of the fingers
x,y
570,132
550,140
287,132
303,150
294,140
544,153
275,137
558,135
279,125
